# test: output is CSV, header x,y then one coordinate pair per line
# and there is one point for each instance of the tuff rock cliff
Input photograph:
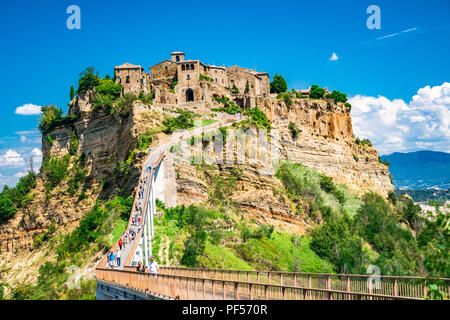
x,y
324,142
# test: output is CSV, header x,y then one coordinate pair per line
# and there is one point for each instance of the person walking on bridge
x,y
153,266
140,267
118,257
111,260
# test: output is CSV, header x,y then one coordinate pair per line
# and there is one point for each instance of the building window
x,y
192,67
128,79
183,67
215,71
187,67
188,77
177,58
166,67
216,79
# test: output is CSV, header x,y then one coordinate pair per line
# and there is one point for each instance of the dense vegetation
x,y
394,236
12,199
257,117
52,117
337,96
97,231
217,238
316,92
185,120
229,106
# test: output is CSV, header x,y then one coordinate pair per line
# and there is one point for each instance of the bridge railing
x,y
411,287
195,288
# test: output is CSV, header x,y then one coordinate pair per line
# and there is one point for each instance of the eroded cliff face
x,y
326,143
104,140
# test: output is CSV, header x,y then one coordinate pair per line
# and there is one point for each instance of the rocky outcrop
x,y
104,140
325,142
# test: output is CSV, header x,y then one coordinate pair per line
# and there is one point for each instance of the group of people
x,y
152,266
130,234
114,258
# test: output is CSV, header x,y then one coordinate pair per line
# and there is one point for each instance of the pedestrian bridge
x,y
124,282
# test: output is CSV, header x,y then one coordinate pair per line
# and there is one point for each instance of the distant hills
x,y
420,170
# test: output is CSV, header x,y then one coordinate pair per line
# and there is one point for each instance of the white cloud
x,y
334,57
36,152
28,109
20,174
23,139
11,159
394,125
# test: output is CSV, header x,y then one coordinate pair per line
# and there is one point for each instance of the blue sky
x,y
41,58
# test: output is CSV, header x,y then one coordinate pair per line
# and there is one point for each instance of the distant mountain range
x,y
420,170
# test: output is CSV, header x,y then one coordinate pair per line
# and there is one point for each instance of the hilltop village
x,y
179,80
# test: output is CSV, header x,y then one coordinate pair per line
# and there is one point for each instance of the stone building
x,y
181,80
132,78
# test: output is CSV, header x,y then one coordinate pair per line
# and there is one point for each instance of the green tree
x,y
316,92
88,80
73,143
50,114
7,208
72,93
337,96
278,84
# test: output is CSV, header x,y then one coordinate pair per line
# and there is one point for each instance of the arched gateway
x,y
189,95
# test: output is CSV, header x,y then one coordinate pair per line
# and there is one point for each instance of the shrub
x,y
144,141
172,86
18,197
336,241
52,118
348,106
206,78
147,98
229,107
258,117
316,92
235,89
286,97
108,87
385,162
124,105
364,142
293,129
184,121
278,84
107,92
73,148
55,170
7,208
